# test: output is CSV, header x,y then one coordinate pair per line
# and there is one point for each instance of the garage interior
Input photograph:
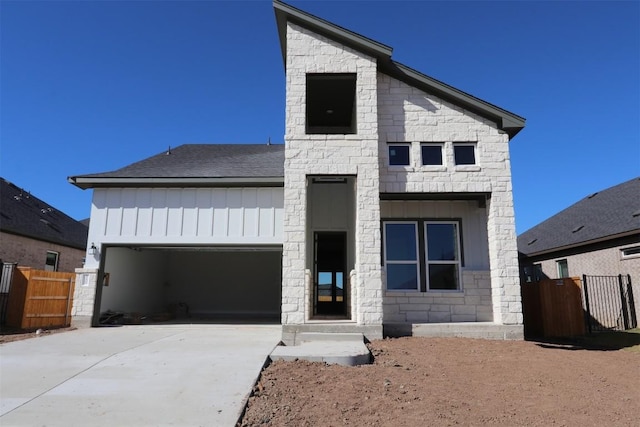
x,y
150,284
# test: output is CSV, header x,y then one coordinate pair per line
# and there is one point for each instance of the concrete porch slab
x,y
343,349
483,330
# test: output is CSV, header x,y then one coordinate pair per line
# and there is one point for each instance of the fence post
x,y
632,304
586,303
623,302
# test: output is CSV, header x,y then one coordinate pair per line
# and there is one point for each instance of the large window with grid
x,y
422,255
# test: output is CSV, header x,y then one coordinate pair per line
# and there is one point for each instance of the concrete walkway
x,y
151,375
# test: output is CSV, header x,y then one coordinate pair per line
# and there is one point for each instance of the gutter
x,y
85,182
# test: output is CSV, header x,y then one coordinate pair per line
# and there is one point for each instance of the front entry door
x,y
330,275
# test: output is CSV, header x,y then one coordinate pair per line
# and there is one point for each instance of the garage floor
x,y
150,375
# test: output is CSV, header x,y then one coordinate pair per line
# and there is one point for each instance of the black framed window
x,y
464,153
431,154
399,154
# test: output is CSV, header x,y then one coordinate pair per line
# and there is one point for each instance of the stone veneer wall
x,y
473,304
305,155
406,114
84,296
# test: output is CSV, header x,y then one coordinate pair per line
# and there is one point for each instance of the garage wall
x,y
136,281
221,283
196,216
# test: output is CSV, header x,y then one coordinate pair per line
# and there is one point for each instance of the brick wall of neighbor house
x,y
603,262
355,154
33,253
407,114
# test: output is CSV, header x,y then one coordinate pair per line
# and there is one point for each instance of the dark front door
x,y
330,275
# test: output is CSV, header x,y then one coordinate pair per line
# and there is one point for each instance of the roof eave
x,y
115,182
505,120
285,13
579,244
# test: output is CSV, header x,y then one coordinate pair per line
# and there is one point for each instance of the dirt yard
x,y
454,381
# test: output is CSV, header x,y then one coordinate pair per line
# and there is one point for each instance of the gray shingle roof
x,y
24,214
196,163
605,214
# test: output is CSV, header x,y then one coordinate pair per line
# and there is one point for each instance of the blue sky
x,y
91,86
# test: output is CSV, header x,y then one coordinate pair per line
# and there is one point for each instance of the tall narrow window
x,y
464,153
401,255
51,263
443,255
563,268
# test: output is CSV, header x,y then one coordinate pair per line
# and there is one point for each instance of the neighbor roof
x,y
506,121
196,165
24,214
607,214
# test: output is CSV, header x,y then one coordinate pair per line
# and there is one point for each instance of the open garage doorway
x,y
150,284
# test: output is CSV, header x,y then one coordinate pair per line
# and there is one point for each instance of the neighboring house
x,y
597,236
389,206
35,234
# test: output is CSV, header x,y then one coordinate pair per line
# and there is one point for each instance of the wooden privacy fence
x,y
40,298
553,308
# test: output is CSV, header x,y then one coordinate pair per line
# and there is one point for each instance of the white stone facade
x,y
389,110
355,155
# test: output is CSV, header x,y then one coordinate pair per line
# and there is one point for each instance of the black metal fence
x,y
5,286
609,303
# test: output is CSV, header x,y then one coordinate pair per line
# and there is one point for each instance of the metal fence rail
x,y
609,303
5,286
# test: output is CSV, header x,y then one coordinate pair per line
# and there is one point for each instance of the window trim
x,y
559,262
418,254
432,144
474,145
636,254
422,260
398,144
457,262
55,266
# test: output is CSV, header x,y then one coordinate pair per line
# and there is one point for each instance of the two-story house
x,y
388,209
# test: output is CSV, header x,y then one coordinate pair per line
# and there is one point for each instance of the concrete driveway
x,y
150,375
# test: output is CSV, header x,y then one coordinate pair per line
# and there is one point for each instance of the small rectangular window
x,y
464,154
401,255
431,154
563,268
630,252
51,263
399,154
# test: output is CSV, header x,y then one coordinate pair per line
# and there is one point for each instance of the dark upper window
x,y
431,154
464,154
331,103
51,262
399,154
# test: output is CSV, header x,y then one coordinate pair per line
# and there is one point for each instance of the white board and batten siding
x,y
187,216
